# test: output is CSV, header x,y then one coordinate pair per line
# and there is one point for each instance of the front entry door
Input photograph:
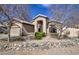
x,y
40,26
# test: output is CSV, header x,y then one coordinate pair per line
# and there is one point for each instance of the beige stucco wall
x,y
19,29
57,25
16,30
44,24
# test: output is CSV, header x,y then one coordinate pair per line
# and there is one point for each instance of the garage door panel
x,y
15,31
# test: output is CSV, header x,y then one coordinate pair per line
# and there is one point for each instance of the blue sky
x,y
39,9
35,9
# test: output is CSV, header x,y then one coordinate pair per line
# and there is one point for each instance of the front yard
x,y
46,46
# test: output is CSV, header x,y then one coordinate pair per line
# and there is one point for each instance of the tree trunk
x,y
60,33
9,29
9,26
9,34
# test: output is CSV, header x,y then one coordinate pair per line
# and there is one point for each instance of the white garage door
x,y
15,31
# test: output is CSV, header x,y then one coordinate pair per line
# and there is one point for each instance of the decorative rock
x,y
20,45
15,44
34,45
17,48
45,45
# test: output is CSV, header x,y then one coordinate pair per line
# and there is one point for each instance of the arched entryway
x,y
52,29
40,26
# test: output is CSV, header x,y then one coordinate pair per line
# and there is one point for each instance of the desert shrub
x,y
39,35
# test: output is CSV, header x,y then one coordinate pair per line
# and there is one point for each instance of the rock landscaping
x,y
42,45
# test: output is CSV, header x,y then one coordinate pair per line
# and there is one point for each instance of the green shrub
x,y
39,35
43,34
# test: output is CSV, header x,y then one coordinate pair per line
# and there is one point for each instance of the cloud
x,y
46,5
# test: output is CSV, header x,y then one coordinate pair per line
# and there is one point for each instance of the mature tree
x,y
11,11
22,12
4,10
65,14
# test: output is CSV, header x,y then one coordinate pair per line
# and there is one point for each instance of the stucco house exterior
x,y
21,27
40,23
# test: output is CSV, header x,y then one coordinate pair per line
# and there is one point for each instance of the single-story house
x,y
40,23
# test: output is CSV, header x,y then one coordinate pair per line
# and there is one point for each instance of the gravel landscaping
x,y
37,45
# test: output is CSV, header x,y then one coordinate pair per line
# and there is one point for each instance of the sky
x,y
39,9
35,9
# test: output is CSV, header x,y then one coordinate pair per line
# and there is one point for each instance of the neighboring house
x,y
41,23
